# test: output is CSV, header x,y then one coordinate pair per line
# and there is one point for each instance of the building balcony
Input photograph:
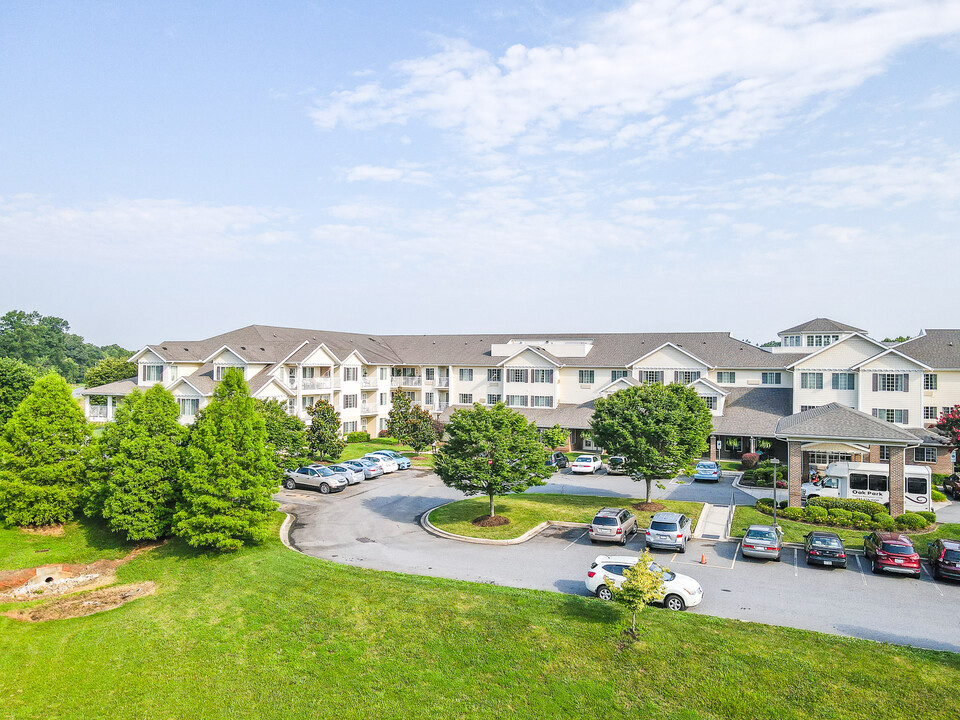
x,y
368,409
443,381
370,381
323,383
441,406
410,381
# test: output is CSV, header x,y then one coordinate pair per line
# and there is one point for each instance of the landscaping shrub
x,y
749,460
864,506
931,516
358,436
911,521
792,513
860,517
768,502
938,496
815,513
784,503
844,516
383,433
885,523
939,478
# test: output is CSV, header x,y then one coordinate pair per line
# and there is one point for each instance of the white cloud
x,y
678,72
377,173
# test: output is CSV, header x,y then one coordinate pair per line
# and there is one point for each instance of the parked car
x,y
951,485
353,476
708,470
824,548
612,525
944,558
669,530
586,464
322,478
557,460
369,468
682,591
615,465
892,552
402,461
387,464
762,541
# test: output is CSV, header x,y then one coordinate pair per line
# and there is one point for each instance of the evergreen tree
x,y
323,435
398,420
139,460
420,432
16,379
286,433
227,474
42,456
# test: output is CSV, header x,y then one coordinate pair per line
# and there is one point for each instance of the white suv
x,y
669,530
680,591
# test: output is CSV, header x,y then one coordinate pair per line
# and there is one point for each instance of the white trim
x,y
709,384
675,347
833,345
360,357
625,380
185,380
278,383
227,347
534,349
149,348
896,352
296,350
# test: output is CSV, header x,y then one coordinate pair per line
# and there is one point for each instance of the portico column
x,y
109,407
86,406
794,472
753,444
896,480
713,448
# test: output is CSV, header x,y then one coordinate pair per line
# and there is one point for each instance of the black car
x,y
944,556
952,485
558,460
825,548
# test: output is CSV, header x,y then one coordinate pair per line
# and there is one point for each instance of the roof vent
x,y
263,349
242,347
164,347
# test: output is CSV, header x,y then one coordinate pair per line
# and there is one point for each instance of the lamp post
x,y
774,462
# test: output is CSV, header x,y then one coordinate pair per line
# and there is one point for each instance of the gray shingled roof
x,y
567,415
940,349
836,421
822,325
120,387
753,411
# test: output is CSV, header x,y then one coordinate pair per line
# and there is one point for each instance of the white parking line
x,y
796,561
576,540
935,583
862,574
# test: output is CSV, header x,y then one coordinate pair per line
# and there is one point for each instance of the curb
x,y
285,532
698,530
532,532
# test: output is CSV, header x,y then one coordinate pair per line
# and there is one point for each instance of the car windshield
x,y
600,520
660,525
896,549
616,461
706,466
767,536
951,555
826,542
584,458
325,471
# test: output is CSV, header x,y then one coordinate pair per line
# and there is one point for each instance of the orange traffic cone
x,y
703,559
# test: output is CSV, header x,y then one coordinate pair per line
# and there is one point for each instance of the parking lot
x,y
375,525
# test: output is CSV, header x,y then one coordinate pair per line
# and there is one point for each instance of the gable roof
x,y
838,422
709,384
749,411
549,357
675,347
891,351
879,345
118,387
625,380
938,349
822,325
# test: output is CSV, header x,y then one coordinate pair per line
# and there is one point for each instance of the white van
x,y
870,481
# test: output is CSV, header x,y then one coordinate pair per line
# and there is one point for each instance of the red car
x,y
892,552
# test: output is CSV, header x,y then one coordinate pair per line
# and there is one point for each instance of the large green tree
x,y
137,464
228,473
660,430
556,436
286,433
491,451
108,370
420,432
42,462
398,419
16,379
323,435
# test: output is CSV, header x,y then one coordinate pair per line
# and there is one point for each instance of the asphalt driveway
x,y
376,525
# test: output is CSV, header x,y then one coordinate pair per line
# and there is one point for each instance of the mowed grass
x,y
793,531
268,633
357,450
527,510
82,542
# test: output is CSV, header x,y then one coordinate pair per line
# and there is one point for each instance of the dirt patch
x,y
86,603
46,530
648,506
491,521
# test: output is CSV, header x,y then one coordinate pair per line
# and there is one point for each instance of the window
x,y
821,340
154,373
710,400
586,377
929,381
877,483
428,398
494,399
617,374
307,373
844,381
885,453
189,406
727,377
349,427
945,410
383,398
516,375
466,374
858,481
410,395
382,424
804,408
930,412
791,341
825,458
291,406
221,370
685,376
542,401
900,417
428,373
917,485
891,382
517,400
651,376
494,375
542,376
466,398
349,401
350,374
811,381
770,378
308,401
925,454
384,373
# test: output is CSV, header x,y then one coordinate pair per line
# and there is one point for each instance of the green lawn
x,y
357,450
267,633
794,531
527,510
732,465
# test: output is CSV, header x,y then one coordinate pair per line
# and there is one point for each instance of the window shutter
x,y
876,411
676,376
876,382
906,417
906,385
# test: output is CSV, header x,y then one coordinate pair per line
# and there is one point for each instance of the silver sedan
x,y
763,541
352,476
369,468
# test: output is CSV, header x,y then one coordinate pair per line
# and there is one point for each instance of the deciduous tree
x,y
660,430
108,370
491,451
643,584
323,435
949,425
228,474
42,456
555,437
16,379
286,433
420,432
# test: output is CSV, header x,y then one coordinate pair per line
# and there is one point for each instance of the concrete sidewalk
x,y
714,523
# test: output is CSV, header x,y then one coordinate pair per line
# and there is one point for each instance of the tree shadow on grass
x,y
590,609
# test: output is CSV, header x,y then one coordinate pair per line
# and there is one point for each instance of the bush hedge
x,y
749,460
358,436
938,478
930,516
938,496
864,506
911,521
836,516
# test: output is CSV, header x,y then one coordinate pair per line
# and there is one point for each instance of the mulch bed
x,y
648,506
491,521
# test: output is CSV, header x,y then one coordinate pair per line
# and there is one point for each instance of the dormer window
x,y
220,371
791,341
153,373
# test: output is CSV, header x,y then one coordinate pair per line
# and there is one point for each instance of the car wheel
x,y
674,602
809,561
777,559
875,568
683,548
290,484
623,540
592,541
918,575
603,592
936,571
324,488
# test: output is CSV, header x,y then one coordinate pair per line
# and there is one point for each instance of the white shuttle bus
x,y
871,481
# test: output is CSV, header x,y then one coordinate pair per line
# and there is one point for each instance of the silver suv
x,y
669,530
613,525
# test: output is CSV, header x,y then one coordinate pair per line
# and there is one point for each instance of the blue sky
x,y
174,170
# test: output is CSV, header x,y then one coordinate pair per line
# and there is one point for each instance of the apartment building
x,y
554,378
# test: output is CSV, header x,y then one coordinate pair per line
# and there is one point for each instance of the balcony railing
x,y
368,409
368,382
322,383
98,412
442,381
441,406
408,381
